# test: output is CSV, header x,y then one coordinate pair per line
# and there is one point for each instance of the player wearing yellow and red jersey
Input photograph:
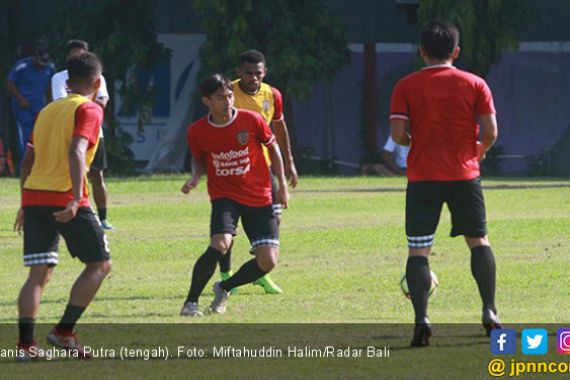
x,y
252,94
55,203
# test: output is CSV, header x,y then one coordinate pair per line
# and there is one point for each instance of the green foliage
x,y
119,156
7,36
303,42
488,27
122,34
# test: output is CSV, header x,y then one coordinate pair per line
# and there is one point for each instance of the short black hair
x,y
251,56
85,66
76,44
439,39
213,83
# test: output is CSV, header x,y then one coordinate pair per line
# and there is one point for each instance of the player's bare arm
x,y
490,133
77,165
277,167
13,90
27,163
198,170
102,101
282,136
389,161
400,133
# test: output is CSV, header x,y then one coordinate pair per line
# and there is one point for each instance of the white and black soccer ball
x,y
432,289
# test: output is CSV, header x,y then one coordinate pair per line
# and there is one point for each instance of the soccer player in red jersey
x,y
227,145
55,202
436,112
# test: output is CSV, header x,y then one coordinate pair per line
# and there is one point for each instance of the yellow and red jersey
x,y
267,102
49,182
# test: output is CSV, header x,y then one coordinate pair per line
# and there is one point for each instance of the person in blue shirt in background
x,y
28,83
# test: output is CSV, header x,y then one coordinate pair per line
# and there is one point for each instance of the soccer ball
x,y
406,290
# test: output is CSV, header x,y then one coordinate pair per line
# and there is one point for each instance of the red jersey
x,y
442,104
234,156
52,137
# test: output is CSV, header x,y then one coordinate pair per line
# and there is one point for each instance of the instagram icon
x,y
563,341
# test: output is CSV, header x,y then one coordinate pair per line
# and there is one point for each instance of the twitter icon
x,y
534,341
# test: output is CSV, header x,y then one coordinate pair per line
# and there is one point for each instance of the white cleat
x,y
220,302
191,309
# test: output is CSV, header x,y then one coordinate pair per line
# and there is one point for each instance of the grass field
x,y
343,254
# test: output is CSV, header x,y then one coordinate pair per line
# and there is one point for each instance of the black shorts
x,y
424,201
83,235
259,223
277,207
100,159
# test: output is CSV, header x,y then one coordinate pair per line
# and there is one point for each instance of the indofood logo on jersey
x,y
232,162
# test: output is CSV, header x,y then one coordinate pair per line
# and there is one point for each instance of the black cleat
x,y
490,321
422,333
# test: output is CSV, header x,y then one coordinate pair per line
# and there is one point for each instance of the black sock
x,y
484,269
203,271
70,317
102,213
249,272
225,261
26,326
418,277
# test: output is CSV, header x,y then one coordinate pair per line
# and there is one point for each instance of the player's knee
x,y
476,241
220,246
221,243
267,261
101,269
43,281
267,265
106,267
40,276
47,278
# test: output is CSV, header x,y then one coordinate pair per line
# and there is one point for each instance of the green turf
x,y
343,254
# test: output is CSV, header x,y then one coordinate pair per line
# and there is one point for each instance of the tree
x,y
121,33
488,27
8,40
304,43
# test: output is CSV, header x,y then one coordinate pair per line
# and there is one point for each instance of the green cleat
x,y
107,225
224,276
268,285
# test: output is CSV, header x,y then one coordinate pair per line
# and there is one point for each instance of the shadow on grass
x,y
403,189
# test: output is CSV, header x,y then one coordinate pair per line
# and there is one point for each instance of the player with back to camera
x,y
435,111
59,89
227,145
251,93
55,202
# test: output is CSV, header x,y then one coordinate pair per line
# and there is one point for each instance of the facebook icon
x,y
503,342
